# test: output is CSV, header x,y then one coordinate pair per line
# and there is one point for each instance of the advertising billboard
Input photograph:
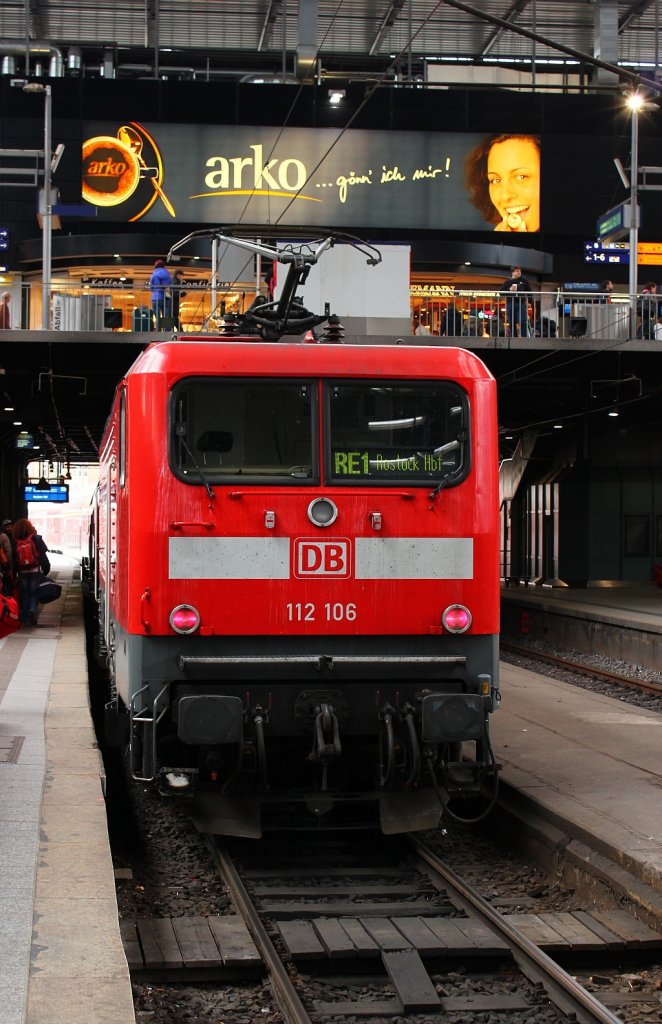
x,y
205,174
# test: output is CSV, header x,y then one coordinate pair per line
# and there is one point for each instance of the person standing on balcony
x,y
176,295
5,315
515,288
648,308
159,281
606,289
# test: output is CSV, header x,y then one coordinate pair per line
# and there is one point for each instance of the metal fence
x,y
79,308
455,313
545,314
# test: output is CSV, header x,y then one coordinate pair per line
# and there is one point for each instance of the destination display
x,y
394,462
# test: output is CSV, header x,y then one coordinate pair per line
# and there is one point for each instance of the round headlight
x,y
456,618
184,619
322,512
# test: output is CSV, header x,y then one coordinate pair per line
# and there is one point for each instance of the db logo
x,y
314,557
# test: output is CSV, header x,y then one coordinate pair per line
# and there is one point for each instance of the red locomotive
x,y
298,575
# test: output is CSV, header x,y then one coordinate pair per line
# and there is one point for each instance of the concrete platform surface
x,y
592,762
60,947
619,604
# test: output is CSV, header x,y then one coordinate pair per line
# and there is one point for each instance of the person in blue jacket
x,y
159,284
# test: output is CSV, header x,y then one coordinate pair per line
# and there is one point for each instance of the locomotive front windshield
x,y
247,429
396,432
375,432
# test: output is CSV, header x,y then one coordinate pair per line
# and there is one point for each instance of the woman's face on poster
x,y
513,173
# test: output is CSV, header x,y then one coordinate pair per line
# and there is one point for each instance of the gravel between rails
x,y
622,693
172,875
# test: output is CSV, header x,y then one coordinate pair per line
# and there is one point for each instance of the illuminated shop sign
x,y
223,174
107,282
432,291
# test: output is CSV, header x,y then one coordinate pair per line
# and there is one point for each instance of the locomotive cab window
x,y
401,432
248,430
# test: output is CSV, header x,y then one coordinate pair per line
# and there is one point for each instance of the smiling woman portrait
x,y
503,180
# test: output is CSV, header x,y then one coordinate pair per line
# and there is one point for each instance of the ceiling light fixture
x,y
336,96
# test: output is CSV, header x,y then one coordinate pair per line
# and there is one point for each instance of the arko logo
x,y
329,557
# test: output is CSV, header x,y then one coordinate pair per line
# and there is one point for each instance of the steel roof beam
x,y
635,11
388,21
517,7
586,58
273,11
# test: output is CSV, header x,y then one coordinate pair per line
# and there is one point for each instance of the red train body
x,y
298,576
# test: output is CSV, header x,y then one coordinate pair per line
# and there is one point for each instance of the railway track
x,y
582,668
349,932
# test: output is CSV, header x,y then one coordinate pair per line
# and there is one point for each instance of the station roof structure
x,y
66,388
325,38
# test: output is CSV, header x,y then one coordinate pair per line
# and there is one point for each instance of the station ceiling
x,y
350,38
64,390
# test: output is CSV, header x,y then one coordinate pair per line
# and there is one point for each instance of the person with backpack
x,y
6,559
32,564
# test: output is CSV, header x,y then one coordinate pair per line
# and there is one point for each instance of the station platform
x,y
590,766
590,762
618,621
60,946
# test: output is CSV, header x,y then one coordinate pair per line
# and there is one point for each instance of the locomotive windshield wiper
x,y
180,432
444,449
443,483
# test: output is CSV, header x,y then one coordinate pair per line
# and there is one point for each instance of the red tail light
x,y
456,618
184,618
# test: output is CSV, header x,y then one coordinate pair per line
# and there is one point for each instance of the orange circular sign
x,y
111,171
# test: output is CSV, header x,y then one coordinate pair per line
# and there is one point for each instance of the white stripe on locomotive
x,y
268,558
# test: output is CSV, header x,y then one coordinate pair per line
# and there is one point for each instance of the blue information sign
x,y
56,492
615,253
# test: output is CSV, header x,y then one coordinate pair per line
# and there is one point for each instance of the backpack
x,y
27,556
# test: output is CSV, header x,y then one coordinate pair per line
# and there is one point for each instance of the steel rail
x,y
578,666
565,991
284,991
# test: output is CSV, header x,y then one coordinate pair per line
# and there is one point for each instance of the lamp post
x,y
635,102
47,211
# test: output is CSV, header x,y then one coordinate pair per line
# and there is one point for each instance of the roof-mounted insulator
x,y
334,332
